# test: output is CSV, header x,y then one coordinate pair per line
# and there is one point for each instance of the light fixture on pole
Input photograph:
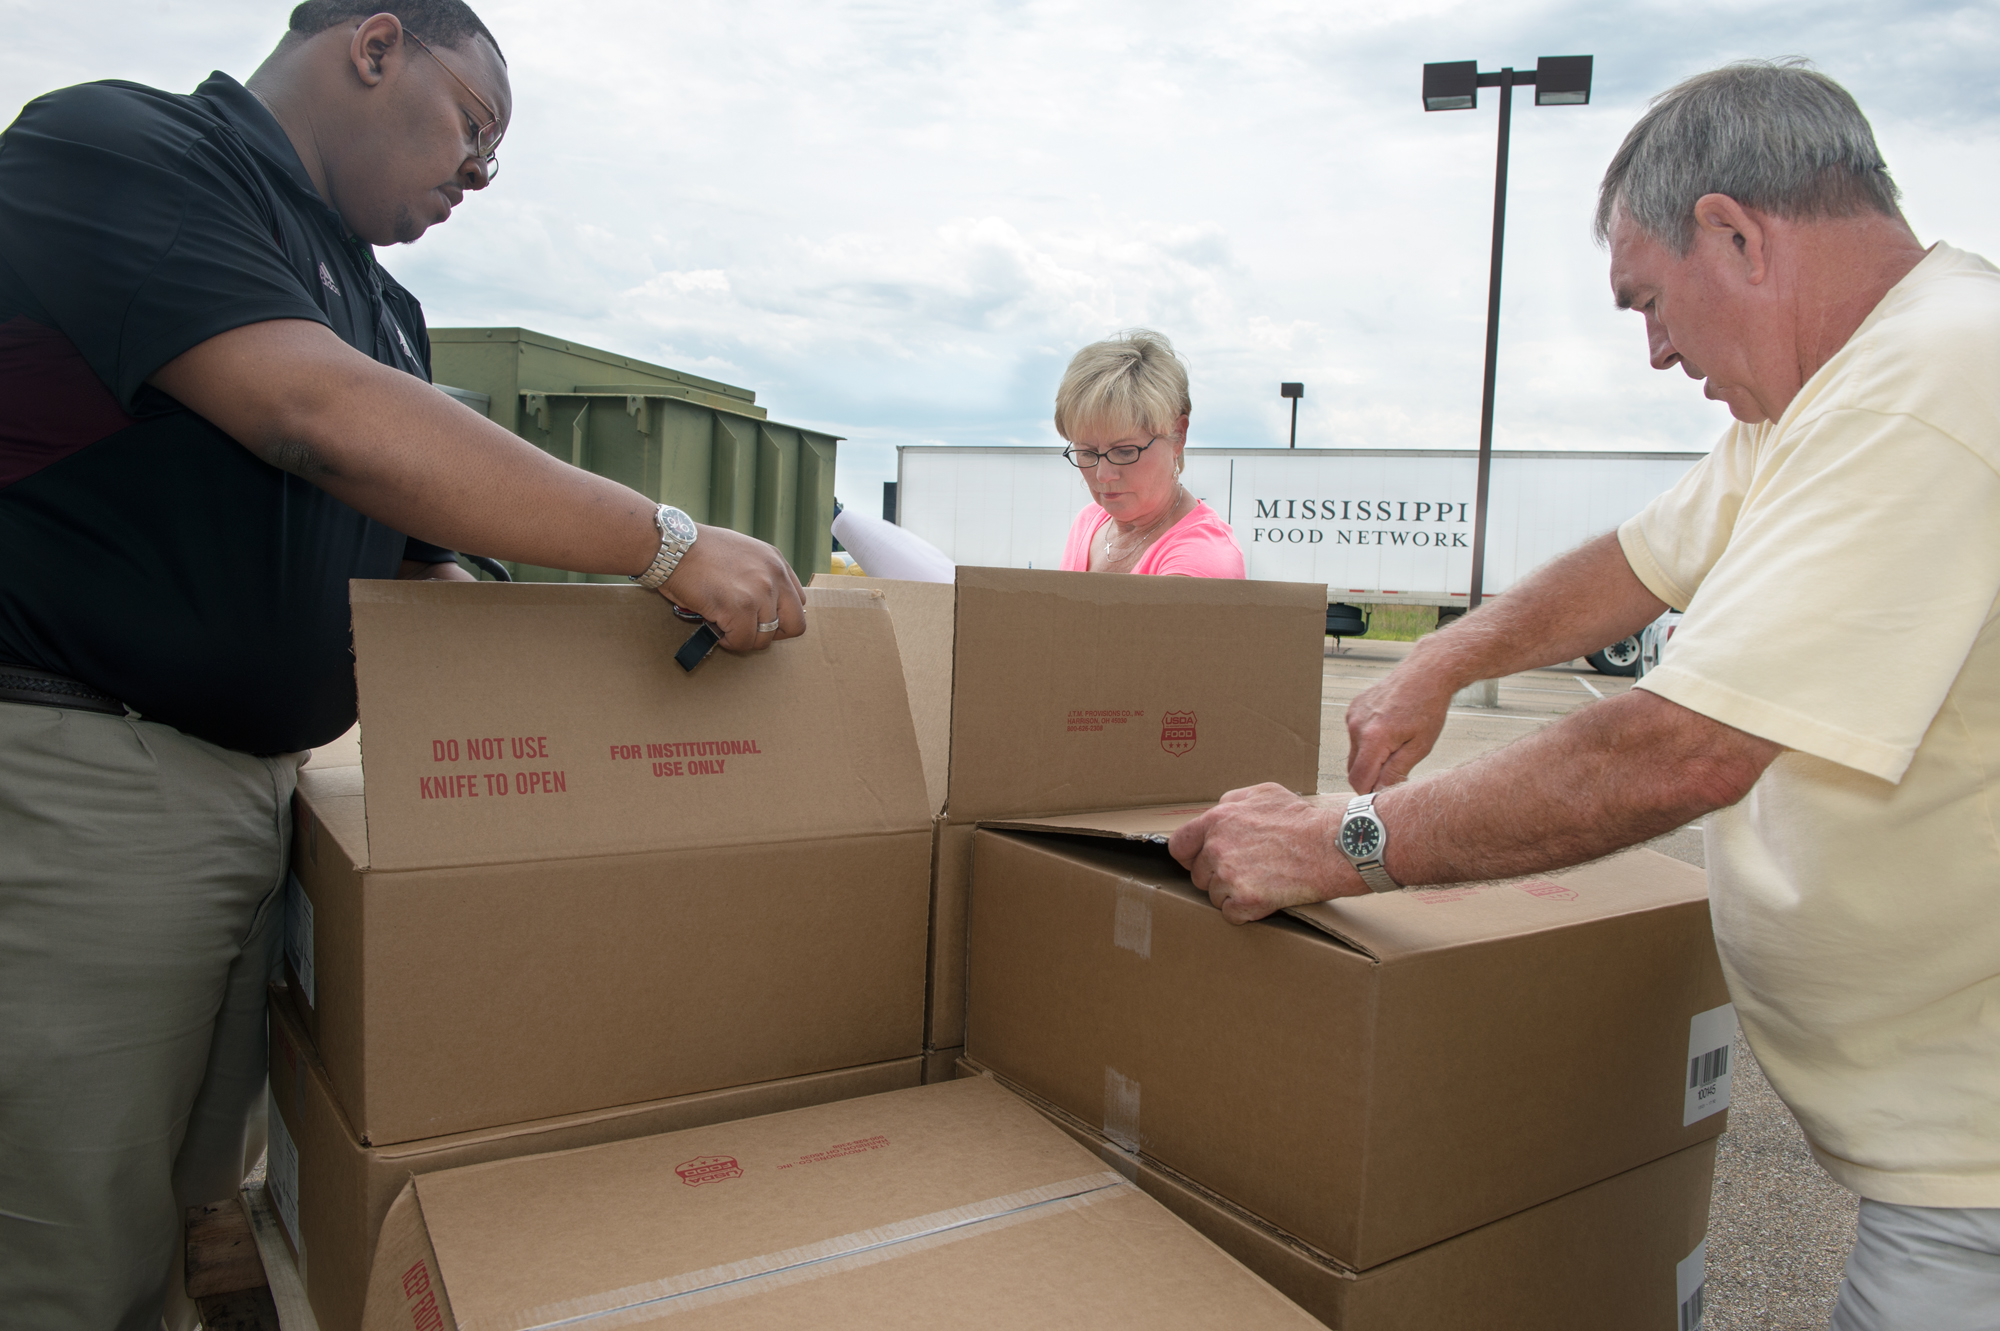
x,y
1294,392
1558,80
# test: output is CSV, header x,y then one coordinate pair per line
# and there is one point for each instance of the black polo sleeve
x,y
423,552
139,230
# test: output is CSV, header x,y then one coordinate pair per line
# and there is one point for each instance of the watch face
x,y
1361,838
679,526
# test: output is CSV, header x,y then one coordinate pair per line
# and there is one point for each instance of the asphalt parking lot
x,y
1779,1228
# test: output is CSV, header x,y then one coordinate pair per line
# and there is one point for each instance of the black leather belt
x,y
20,684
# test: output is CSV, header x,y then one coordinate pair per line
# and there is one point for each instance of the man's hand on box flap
x,y
1263,849
1612,775
740,585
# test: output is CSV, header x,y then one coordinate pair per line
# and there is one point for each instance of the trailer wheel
x,y
1620,658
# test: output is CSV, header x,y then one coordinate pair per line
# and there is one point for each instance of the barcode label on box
x,y
1690,1278
281,1179
299,937
1711,1048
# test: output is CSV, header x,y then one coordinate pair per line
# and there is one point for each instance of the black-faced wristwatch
x,y
677,533
1363,839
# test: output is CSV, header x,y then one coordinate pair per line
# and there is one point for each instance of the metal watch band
x,y
1370,869
668,557
1377,877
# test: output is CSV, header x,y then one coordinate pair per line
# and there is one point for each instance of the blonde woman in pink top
x,y
1123,406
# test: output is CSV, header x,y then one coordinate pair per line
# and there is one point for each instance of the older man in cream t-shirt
x,y
1853,833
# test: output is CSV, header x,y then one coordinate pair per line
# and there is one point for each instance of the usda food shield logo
x,y
1177,732
708,1169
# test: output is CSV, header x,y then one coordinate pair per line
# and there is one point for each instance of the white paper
x,y
887,551
281,1179
1689,1277
299,937
1706,1075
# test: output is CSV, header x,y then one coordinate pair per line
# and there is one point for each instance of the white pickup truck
x,y
1377,526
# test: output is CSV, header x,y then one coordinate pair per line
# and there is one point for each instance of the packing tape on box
x,y
1121,1108
1132,920
845,1252
1120,1159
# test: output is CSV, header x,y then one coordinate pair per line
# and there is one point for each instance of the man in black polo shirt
x,y
217,412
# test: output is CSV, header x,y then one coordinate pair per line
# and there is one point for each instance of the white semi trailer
x,y
1376,526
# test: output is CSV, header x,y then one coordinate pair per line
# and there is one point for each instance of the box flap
x,y
1390,925
952,1205
522,1242
520,721
922,613
1079,691
1152,824
334,795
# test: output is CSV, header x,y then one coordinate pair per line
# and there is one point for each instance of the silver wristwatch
x,y
1363,839
677,535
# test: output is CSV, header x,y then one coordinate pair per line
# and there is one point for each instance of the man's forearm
x,y
405,454
1573,606
1569,608
1613,775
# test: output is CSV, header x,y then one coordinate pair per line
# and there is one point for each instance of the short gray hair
x,y
1777,136
1133,380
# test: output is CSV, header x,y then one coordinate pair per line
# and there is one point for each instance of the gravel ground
x,y
1779,1228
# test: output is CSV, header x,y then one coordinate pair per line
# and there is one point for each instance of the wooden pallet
x,y
240,1274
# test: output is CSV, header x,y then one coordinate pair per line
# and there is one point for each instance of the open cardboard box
x,y
945,1206
332,1193
1038,692
1625,1253
1372,1074
567,875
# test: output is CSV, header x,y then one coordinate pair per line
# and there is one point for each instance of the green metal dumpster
x,y
696,443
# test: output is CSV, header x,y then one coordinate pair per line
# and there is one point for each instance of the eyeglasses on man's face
x,y
485,138
1119,455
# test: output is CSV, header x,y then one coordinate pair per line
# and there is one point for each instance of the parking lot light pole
x,y
1294,392
1559,80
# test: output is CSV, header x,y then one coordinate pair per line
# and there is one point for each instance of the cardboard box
x,y
1624,1253
941,1064
1373,1074
923,614
945,1206
332,1193
1076,691
568,875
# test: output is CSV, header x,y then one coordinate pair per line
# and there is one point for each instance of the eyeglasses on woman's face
x,y
1119,455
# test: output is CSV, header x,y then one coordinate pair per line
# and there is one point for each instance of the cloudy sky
x,y
895,221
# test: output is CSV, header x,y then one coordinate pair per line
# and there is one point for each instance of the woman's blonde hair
x,y
1133,379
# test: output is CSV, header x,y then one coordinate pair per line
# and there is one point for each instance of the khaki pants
x,y
1922,1268
140,913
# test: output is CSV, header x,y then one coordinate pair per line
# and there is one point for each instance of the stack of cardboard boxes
x,y
573,894
1490,1105
582,900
